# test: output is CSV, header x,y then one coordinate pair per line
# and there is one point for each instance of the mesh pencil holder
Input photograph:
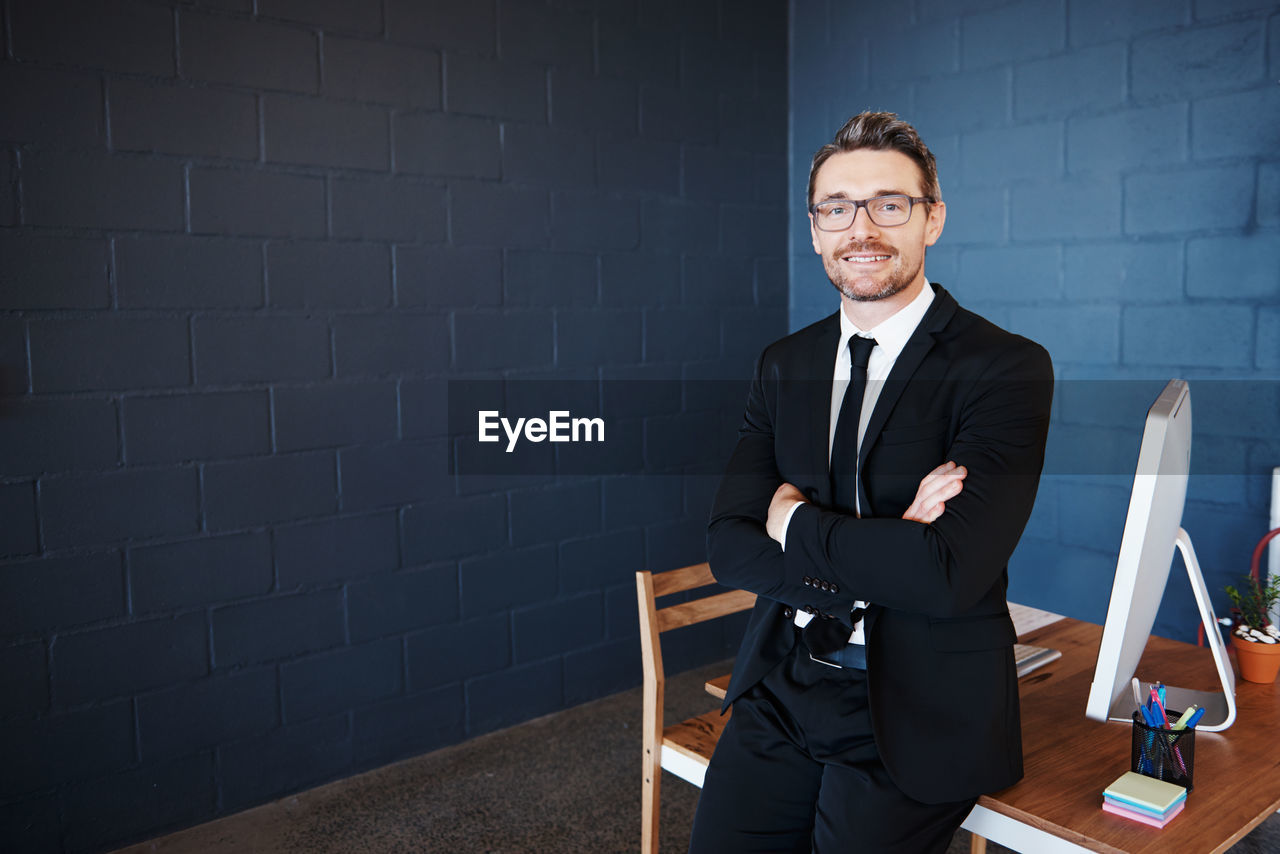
x,y
1166,754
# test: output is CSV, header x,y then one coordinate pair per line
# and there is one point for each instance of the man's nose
x,y
862,227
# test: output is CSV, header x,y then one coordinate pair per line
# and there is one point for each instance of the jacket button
x,y
835,588
807,581
788,612
826,587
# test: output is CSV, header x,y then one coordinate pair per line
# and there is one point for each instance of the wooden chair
x,y
683,749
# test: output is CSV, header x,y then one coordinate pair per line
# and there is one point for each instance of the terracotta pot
x,y
1259,662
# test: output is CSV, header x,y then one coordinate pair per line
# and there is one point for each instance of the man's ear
x,y
813,234
937,219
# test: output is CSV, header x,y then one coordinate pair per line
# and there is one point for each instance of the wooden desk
x,y
1069,760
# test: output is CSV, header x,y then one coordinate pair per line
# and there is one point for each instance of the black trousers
x,y
797,770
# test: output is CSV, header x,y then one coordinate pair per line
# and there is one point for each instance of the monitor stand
x,y
1219,706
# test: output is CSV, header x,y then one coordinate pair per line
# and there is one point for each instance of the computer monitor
x,y
1152,529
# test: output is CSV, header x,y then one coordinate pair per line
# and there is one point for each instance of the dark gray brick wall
x,y
319,132
402,210
246,248
134,37
408,725
41,434
54,272
329,275
27,92
101,191
187,272
256,202
192,573
183,120
179,427
447,144
334,414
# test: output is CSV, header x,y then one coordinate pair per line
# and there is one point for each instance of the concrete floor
x,y
568,782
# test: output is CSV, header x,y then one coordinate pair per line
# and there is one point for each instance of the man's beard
x,y
896,282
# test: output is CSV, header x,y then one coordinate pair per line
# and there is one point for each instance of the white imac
x,y
1151,530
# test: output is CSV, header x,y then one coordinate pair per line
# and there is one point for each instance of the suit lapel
x,y
918,346
817,383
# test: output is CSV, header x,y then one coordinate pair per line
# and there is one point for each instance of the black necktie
x,y
844,450
827,634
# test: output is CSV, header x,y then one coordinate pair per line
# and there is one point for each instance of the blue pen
x,y
1195,719
1146,765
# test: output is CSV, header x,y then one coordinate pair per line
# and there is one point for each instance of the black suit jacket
x,y
941,678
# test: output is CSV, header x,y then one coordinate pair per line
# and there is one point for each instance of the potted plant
x,y
1256,641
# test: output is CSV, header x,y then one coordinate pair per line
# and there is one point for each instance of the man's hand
x,y
938,487
783,499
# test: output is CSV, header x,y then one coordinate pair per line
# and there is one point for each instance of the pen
x,y
1195,719
1155,696
1181,722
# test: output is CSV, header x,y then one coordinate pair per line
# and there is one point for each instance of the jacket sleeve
x,y
740,551
944,568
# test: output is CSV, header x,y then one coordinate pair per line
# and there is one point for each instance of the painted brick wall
x,y
1110,176
245,246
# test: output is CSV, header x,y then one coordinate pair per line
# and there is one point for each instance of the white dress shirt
x,y
891,336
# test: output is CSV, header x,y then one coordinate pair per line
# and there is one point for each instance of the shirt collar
x,y
892,333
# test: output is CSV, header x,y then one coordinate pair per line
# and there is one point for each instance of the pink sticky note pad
x,y
1145,819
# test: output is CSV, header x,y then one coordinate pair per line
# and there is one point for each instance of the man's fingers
x,y
936,488
931,513
945,472
942,474
942,469
926,510
940,490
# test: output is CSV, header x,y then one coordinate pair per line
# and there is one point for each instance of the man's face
x,y
868,262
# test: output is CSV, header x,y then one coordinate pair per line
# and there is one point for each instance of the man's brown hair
x,y
881,132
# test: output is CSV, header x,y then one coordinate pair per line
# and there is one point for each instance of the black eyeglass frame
x,y
912,201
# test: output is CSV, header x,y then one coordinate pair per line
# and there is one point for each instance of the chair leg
x,y
977,844
650,788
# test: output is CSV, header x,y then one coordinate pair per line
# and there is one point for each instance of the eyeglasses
x,y
885,211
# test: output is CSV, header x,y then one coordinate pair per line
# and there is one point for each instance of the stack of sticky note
x,y
1145,799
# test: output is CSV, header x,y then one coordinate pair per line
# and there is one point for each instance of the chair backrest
x,y
654,620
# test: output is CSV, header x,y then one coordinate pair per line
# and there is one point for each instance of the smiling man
x,y
886,466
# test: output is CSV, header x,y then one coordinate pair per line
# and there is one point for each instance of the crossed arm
x,y
949,548
936,488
